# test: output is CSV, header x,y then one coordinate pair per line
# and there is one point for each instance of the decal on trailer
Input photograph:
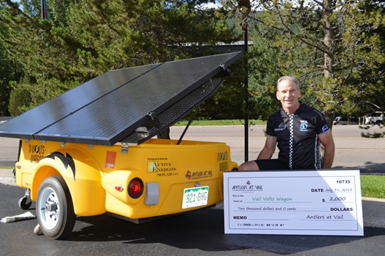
x,y
110,160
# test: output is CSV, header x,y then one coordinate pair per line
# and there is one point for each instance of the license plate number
x,y
193,197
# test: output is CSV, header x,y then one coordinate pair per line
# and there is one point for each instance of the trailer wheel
x,y
54,208
25,203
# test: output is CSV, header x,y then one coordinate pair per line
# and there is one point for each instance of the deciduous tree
x,y
335,48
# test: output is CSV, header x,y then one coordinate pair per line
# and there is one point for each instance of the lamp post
x,y
246,4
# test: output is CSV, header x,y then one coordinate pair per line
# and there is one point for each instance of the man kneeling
x,y
298,129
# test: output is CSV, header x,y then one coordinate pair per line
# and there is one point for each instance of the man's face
x,y
288,94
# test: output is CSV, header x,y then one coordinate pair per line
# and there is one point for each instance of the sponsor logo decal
x,y
198,175
325,128
222,156
152,166
37,152
281,127
110,159
247,187
188,175
223,166
304,125
161,166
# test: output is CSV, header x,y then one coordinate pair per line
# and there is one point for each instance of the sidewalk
x,y
6,177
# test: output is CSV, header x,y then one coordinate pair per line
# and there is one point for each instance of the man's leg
x,y
263,164
249,166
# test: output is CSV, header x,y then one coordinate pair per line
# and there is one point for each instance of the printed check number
x,y
193,197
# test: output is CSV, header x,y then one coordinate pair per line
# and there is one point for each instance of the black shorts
x,y
271,164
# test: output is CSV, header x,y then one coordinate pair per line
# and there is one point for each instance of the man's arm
x,y
269,148
328,142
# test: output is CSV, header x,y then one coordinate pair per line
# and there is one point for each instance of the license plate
x,y
193,197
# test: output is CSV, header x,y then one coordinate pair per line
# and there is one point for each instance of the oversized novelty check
x,y
293,202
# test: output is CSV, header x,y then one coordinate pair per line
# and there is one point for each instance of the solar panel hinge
x,y
223,71
152,115
124,149
154,122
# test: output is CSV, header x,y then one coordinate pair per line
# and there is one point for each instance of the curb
x,y
8,181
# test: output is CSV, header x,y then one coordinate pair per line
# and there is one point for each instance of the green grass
x,y
6,167
373,186
220,122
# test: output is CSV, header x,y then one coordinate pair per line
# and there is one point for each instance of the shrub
x,y
19,98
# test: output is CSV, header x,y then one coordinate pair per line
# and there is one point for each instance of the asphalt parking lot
x,y
199,232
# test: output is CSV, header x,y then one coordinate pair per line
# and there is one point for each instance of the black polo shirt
x,y
297,136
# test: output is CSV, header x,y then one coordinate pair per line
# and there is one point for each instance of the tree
x,y
96,36
9,71
335,48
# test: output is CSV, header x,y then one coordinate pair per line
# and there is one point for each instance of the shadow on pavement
x,y
203,230
200,230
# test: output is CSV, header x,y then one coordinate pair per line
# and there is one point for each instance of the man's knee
x,y
249,166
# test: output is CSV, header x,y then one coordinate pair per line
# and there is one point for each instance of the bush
x,y
18,99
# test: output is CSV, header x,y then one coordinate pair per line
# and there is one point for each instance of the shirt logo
x,y
304,125
325,128
281,127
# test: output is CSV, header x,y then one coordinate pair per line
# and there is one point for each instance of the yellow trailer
x,y
93,150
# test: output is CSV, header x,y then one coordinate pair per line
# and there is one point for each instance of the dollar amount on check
x,y
293,202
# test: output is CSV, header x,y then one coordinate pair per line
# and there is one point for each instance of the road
x,y
352,150
199,232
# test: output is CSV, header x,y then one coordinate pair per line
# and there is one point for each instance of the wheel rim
x,y
49,208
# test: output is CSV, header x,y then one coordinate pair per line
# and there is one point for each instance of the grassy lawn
x,y
373,186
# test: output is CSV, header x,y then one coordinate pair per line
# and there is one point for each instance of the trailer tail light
x,y
135,188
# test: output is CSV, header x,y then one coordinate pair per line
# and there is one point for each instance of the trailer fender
x,y
81,175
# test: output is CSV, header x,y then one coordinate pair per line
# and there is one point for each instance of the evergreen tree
x,y
83,39
9,71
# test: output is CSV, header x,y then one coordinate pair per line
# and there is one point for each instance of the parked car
x,y
338,120
374,118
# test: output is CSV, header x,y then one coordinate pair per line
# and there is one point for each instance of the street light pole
x,y
246,97
245,13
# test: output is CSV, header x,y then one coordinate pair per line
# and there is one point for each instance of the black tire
x,y
54,208
23,203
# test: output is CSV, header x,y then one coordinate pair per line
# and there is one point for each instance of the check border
x,y
342,219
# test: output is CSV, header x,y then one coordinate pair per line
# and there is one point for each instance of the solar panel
x,y
111,107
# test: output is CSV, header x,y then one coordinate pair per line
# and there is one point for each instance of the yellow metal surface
x,y
98,176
